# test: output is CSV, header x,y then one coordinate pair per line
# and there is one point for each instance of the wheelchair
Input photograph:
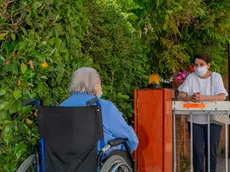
x,y
68,142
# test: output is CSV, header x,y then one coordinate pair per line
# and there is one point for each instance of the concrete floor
x,y
221,164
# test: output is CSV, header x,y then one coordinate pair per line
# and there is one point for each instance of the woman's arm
x,y
219,91
184,89
183,96
219,97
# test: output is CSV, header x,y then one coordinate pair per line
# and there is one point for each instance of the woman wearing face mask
x,y
85,85
197,87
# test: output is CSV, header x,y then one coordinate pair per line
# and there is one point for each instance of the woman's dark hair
x,y
202,56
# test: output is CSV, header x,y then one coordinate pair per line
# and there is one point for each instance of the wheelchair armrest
x,y
116,142
113,143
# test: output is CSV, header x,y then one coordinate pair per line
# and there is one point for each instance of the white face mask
x,y
201,71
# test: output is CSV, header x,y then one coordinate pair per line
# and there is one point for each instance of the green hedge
x,y
177,29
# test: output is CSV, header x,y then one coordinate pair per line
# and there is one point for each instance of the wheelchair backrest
x,y
71,135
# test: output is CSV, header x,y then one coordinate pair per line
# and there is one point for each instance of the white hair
x,y
84,79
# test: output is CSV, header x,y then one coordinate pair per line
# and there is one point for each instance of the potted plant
x,y
178,77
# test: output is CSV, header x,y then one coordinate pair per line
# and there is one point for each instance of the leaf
x,y
44,77
31,75
19,149
120,96
22,45
2,57
42,89
58,43
23,30
28,21
3,115
16,106
28,121
17,93
39,56
10,46
2,35
23,68
52,41
165,26
36,4
26,109
3,105
7,133
169,11
11,68
166,17
26,129
13,36
2,92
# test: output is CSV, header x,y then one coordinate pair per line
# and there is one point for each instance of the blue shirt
x,y
114,125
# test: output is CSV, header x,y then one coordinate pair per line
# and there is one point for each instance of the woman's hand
x,y
184,97
197,97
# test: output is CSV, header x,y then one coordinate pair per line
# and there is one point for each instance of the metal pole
x,y
208,142
228,78
191,142
228,70
174,140
226,147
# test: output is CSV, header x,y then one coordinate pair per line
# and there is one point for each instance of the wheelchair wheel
x,y
29,165
116,164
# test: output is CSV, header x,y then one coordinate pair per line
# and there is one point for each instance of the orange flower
x,y
44,65
19,83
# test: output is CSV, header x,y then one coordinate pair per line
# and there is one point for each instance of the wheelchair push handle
x,y
93,101
31,102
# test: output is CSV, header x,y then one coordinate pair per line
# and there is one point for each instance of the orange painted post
x,y
168,130
153,125
135,121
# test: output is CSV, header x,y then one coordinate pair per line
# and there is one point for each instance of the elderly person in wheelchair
x,y
85,85
61,129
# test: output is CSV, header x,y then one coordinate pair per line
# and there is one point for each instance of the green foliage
x,y
177,29
183,164
116,52
33,33
42,43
